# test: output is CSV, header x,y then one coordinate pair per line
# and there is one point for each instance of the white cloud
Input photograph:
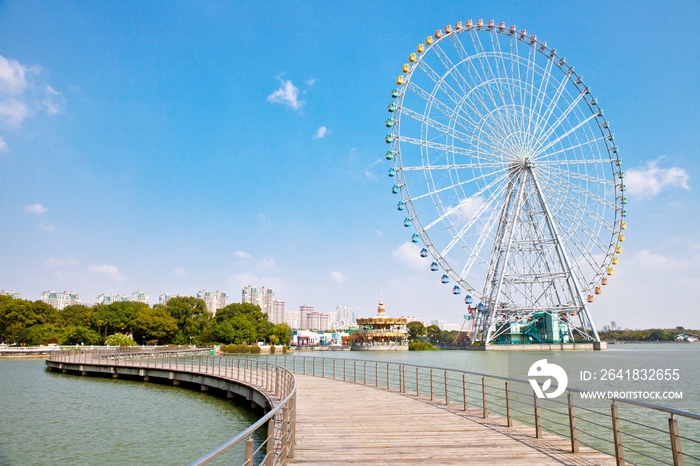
x,y
266,264
409,254
47,226
3,145
242,255
179,271
287,95
262,220
54,101
35,209
53,262
13,111
322,131
650,181
12,79
337,277
310,82
108,270
467,210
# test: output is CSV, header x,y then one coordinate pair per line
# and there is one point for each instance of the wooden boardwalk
x,y
344,423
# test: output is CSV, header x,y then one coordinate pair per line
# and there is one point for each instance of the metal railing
x,y
631,431
276,383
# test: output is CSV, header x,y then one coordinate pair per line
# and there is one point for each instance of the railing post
x,y
248,450
314,366
464,392
573,431
432,395
334,368
323,368
447,391
483,396
293,426
376,374
354,372
509,410
345,370
417,382
675,441
617,435
270,451
285,433
402,380
388,376
538,419
364,374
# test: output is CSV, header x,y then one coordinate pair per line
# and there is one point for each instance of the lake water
x,y
47,418
50,418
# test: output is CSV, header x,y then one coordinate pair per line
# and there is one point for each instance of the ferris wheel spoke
x,y
558,122
562,176
497,76
440,190
564,135
553,105
456,166
558,163
447,111
541,96
582,177
442,147
458,206
576,146
472,221
444,129
520,83
486,234
583,210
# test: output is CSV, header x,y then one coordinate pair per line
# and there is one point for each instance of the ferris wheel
x,y
508,172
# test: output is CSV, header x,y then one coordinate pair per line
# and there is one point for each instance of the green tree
x,y
17,315
154,324
415,329
117,317
79,335
77,315
433,332
281,332
191,316
40,334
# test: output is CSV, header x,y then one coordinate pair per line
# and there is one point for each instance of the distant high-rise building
x,y
139,297
263,297
60,300
164,298
344,317
11,293
294,319
439,323
213,299
279,312
107,299
304,312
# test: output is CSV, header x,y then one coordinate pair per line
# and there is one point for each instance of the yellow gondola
x,y
420,48
610,271
618,250
406,68
615,261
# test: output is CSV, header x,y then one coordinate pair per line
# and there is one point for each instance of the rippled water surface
x,y
55,419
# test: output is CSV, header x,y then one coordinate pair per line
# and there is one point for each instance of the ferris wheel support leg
x,y
571,281
506,230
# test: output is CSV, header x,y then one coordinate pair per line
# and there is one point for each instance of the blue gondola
x,y
468,299
434,266
415,238
407,222
395,189
456,290
424,252
391,108
389,122
401,206
395,93
392,171
389,138
481,307
390,155
445,278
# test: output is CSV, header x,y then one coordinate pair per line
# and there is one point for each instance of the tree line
x,y
183,321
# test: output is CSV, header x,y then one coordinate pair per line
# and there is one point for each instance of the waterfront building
x,y
139,297
263,297
11,293
107,299
381,333
279,312
214,300
60,300
439,323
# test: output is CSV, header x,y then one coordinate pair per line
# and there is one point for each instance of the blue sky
x,y
177,146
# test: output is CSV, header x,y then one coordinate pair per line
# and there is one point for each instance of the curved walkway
x,y
344,423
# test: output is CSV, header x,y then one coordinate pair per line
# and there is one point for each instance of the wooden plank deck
x,y
344,423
